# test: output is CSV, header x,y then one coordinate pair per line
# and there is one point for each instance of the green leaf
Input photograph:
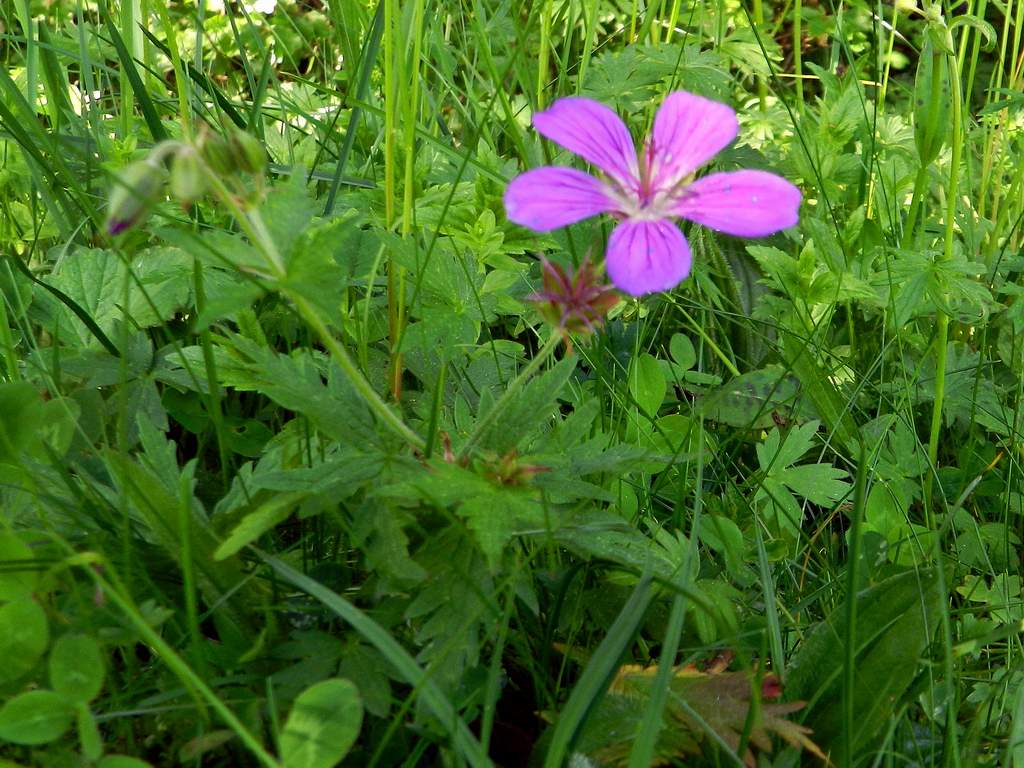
x,y
122,761
723,536
258,522
493,518
405,666
76,668
682,351
748,401
774,457
89,737
647,384
322,726
20,409
534,404
895,622
24,635
818,483
18,574
35,717
100,283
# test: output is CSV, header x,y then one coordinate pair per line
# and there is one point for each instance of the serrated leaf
x,y
99,281
534,404
818,483
775,454
258,522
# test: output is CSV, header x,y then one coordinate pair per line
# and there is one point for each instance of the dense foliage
x,y
296,467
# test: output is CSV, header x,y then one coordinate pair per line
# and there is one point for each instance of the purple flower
x,y
647,252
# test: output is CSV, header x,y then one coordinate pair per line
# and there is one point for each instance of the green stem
x,y
942,327
355,377
715,349
928,150
852,584
182,83
543,55
509,394
178,666
252,224
762,86
798,70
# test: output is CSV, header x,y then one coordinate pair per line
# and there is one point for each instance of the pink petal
x,y
647,256
547,198
742,203
595,133
688,131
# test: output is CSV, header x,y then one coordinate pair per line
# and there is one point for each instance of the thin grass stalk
x,y
798,57
589,23
852,584
544,54
410,114
13,371
113,590
390,110
762,86
181,80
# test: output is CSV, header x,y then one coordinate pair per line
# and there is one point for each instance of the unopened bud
x,y
136,190
248,152
188,180
574,302
217,154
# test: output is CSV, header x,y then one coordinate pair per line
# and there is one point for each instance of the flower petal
x,y
548,198
742,203
595,133
688,131
647,256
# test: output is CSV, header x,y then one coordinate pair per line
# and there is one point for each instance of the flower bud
x,y
136,189
188,181
574,303
217,154
248,152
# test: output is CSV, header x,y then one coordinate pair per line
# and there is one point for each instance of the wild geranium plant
x,y
646,252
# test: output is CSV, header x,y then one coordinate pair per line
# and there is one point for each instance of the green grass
x,y
293,471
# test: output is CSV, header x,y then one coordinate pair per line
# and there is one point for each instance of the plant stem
x,y
798,70
762,86
252,224
355,377
543,55
178,666
942,327
509,394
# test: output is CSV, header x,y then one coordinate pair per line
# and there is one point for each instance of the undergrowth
x,y
294,472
